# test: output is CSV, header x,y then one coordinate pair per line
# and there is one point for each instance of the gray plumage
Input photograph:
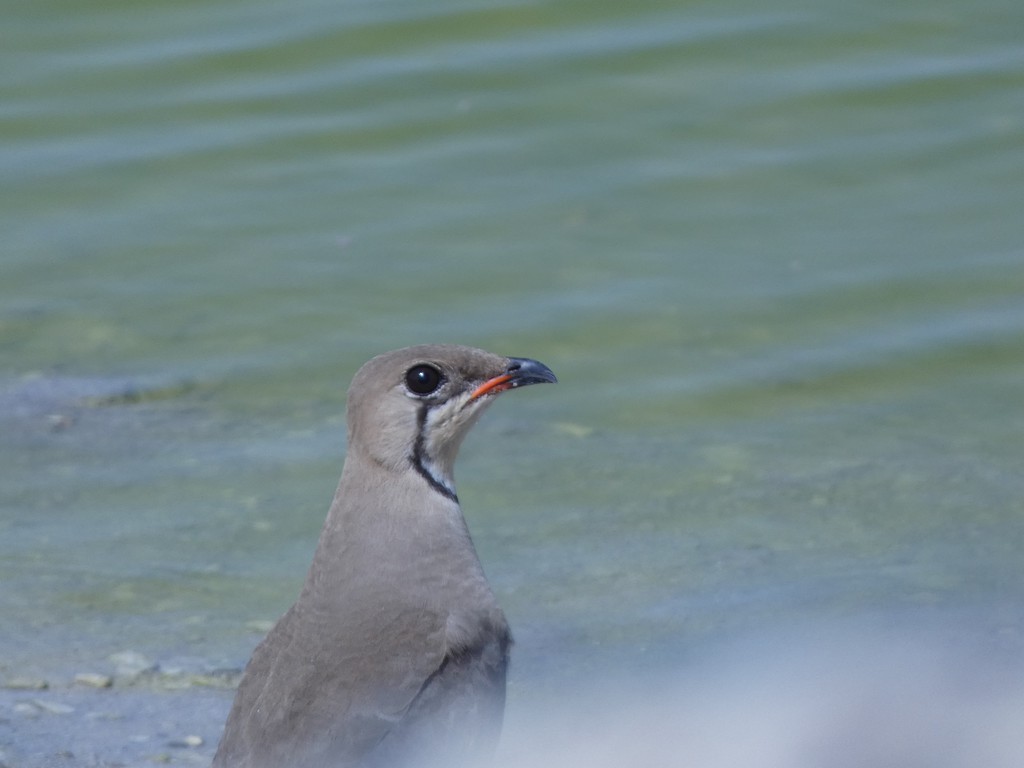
x,y
395,652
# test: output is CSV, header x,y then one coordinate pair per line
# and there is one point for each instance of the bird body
x,y
395,652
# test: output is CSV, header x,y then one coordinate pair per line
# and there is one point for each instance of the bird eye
x,y
423,379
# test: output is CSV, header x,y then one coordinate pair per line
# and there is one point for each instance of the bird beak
x,y
520,372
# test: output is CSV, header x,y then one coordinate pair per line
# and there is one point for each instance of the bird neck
x,y
378,501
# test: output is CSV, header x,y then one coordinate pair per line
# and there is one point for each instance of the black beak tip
x,y
525,371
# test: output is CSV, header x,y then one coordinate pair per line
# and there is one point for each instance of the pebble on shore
x,y
188,742
131,665
93,680
53,707
26,684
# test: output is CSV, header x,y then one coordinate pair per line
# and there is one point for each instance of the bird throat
x,y
424,464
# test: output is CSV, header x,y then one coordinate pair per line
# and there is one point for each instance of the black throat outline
x,y
419,455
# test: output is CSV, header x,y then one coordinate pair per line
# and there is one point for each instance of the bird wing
x,y
324,692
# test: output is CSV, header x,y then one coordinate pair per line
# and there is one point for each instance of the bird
x,y
396,650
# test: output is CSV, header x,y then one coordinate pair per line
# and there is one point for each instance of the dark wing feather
x,y
455,719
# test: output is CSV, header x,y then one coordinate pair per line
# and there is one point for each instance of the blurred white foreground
x,y
825,700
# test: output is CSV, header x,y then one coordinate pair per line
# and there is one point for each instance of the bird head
x,y
415,405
